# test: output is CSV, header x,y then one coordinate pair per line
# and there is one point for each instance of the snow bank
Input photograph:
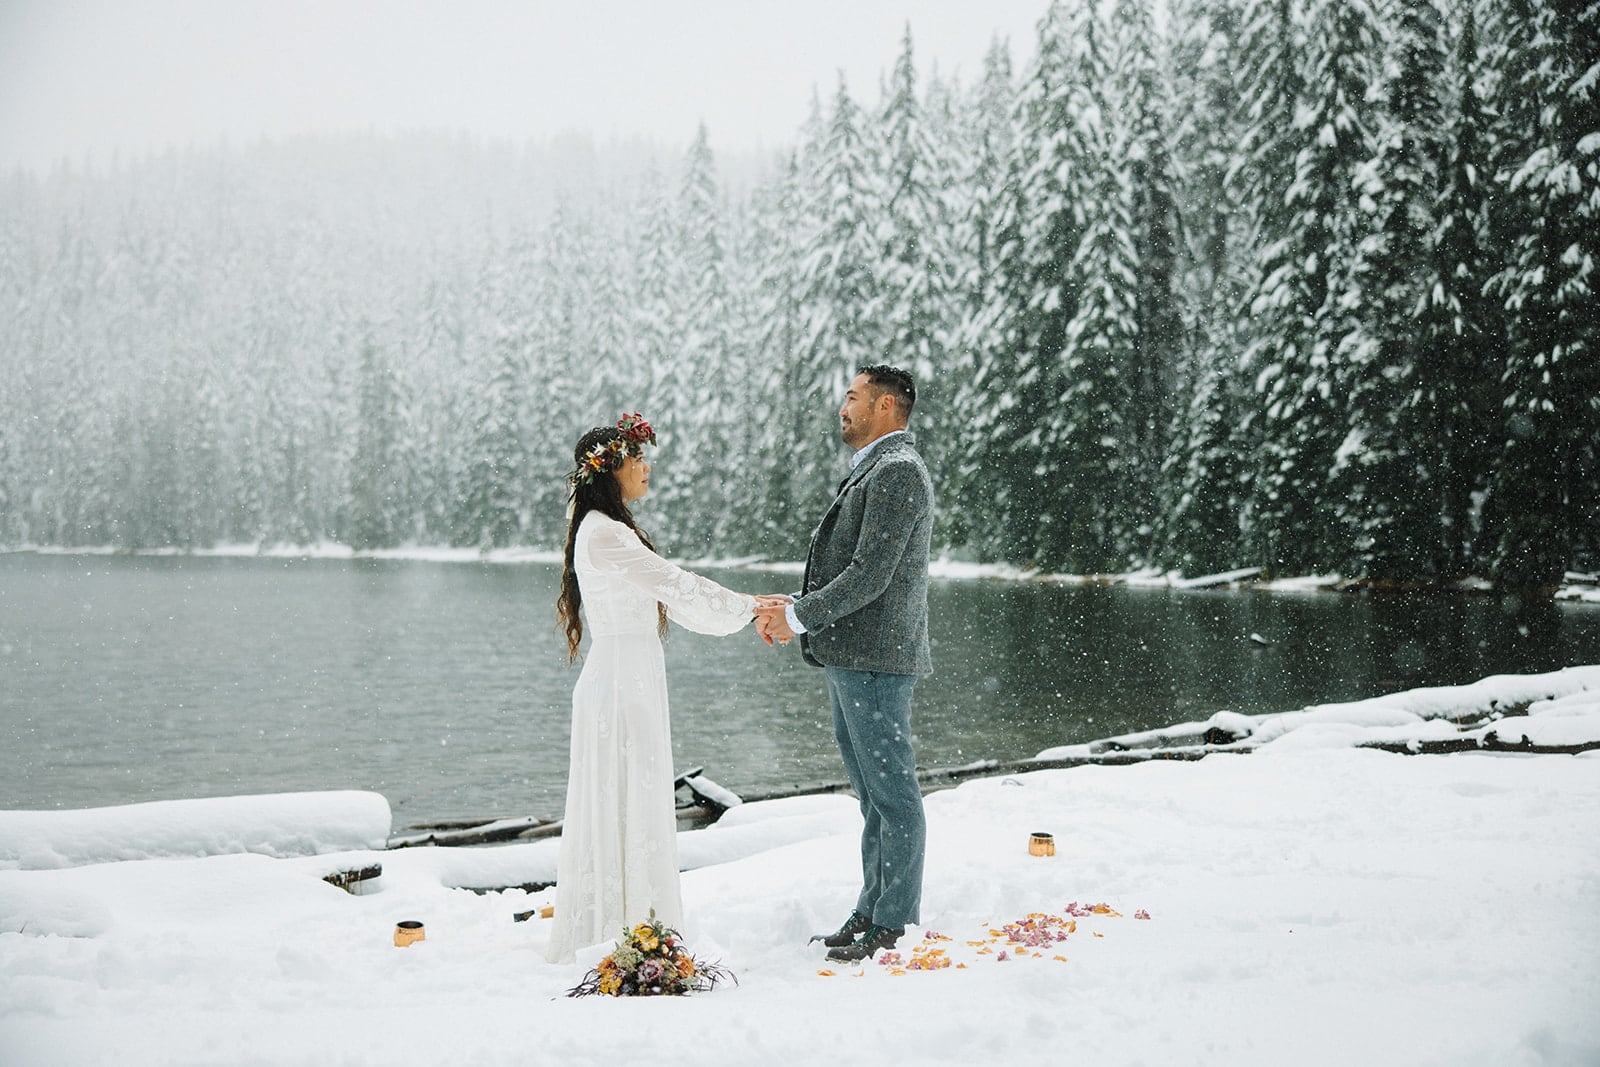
x,y
745,830
1410,709
1308,583
1573,719
750,829
965,571
284,824
1563,708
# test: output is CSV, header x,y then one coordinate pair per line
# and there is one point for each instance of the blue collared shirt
x,y
864,450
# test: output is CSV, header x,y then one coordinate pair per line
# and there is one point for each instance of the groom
x,y
862,616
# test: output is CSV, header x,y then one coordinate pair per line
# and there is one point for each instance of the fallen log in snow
x,y
278,825
1212,581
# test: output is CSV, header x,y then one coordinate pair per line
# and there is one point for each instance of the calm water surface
x,y
443,686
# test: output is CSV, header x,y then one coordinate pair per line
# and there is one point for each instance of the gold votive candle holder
x,y
407,933
1040,844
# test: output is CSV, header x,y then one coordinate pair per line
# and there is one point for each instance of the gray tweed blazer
x,y
864,600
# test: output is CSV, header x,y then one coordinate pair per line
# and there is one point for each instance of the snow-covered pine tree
x,y
965,516
287,458
1198,521
914,269
1274,334
493,495
1144,113
1090,525
946,108
770,258
1542,501
1460,330
452,334
693,481
378,479
80,478
1019,336
792,405
495,505
654,323
839,287
560,394
606,284
11,525
1386,474
1306,249
17,278
247,521
990,143
195,407
438,350
748,377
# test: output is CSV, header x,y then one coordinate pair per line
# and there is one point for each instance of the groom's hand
x,y
774,628
772,622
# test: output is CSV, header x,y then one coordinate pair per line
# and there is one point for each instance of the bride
x,y
619,849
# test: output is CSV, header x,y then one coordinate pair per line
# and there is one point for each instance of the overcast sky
x,y
82,78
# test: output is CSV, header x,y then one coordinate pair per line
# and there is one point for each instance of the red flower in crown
x,y
634,432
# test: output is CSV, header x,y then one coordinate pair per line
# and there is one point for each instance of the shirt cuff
x,y
793,619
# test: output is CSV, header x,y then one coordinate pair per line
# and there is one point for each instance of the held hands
x,y
771,621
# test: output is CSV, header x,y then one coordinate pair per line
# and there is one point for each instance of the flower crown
x,y
634,434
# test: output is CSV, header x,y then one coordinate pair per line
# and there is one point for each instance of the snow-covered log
x,y
279,825
711,794
484,833
1211,581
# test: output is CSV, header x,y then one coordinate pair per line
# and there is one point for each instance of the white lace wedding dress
x,y
619,848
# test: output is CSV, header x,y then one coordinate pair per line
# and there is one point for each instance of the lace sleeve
x,y
692,601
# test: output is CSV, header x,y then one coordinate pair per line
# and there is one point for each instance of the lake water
x,y
443,686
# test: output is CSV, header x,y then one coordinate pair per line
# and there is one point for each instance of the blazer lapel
x,y
861,471
873,457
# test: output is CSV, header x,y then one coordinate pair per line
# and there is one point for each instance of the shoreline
x,y
1578,588
1492,716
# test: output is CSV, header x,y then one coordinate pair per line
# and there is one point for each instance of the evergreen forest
x,y
1308,285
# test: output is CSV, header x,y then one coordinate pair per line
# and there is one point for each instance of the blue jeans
x,y
872,721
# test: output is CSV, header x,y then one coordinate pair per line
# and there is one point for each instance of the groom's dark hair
x,y
887,379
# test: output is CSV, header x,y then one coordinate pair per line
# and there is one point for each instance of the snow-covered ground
x,y
1309,903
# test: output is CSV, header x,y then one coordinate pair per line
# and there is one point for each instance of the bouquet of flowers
x,y
650,961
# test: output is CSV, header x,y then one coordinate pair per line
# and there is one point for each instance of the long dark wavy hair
x,y
602,493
